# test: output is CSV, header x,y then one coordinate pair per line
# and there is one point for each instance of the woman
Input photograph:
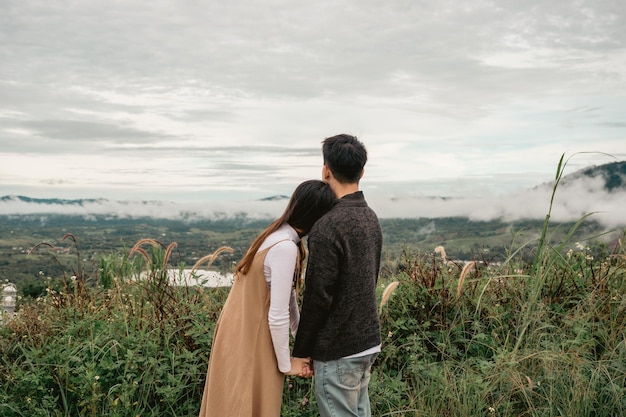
x,y
250,353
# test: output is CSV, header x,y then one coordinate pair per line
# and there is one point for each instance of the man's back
x,y
339,315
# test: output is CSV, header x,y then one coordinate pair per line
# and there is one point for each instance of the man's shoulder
x,y
325,223
345,221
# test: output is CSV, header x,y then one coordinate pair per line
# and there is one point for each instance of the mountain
x,y
275,198
596,189
614,175
56,201
610,177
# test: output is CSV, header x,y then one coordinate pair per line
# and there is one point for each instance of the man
x,y
339,328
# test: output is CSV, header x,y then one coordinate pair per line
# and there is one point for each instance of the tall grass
x,y
132,345
539,338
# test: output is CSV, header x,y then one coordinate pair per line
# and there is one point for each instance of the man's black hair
x,y
345,156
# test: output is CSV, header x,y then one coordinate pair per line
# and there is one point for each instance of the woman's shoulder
x,y
284,237
280,247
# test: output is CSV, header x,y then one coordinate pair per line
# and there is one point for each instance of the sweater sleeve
x,y
280,264
321,277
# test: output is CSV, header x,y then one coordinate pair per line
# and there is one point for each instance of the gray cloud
x,y
613,124
573,200
318,47
447,94
72,130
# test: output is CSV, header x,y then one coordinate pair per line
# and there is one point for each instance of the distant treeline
x,y
98,236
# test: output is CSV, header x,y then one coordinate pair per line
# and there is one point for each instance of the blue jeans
x,y
341,386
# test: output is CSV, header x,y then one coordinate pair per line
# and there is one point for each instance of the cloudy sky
x,y
207,101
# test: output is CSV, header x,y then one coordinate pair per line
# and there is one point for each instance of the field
x,y
535,327
98,237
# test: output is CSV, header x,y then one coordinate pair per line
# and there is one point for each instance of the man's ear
x,y
326,174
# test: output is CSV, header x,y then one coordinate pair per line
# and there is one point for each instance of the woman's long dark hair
x,y
310,201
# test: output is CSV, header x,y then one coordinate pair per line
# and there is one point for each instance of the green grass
x,y
513,343
541,333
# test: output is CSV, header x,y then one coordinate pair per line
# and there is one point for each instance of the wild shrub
x,y
538,336
134,346
542,338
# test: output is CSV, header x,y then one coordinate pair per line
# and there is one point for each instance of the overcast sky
x,y
207,101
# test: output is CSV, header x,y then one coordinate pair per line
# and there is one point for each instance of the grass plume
x,y
209,259
469,266
389,289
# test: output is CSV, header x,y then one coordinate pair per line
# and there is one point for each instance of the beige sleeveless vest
x,y
243,379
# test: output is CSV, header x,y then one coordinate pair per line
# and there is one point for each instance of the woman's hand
x,y
301,367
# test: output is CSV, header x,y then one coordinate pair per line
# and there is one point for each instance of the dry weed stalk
x,y
137,248
75,287
389,289
30,252
466,269
143,253
168,253
211,258
440,250
71,236
67,235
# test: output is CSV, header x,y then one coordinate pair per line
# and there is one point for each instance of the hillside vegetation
x,y
536,330
463,239
540,339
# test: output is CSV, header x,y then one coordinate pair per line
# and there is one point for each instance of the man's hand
x,y
301,367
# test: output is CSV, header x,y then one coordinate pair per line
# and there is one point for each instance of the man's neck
x,y
342,190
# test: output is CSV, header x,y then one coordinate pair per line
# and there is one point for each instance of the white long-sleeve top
x,y
278,268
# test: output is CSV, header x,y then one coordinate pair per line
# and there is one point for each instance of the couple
x,y
337,335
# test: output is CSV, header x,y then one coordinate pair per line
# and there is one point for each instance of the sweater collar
x,y
356,197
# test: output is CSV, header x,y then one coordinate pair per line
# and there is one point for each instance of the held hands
x,y
301,367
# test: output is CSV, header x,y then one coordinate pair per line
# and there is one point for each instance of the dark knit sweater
x,y
339,314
